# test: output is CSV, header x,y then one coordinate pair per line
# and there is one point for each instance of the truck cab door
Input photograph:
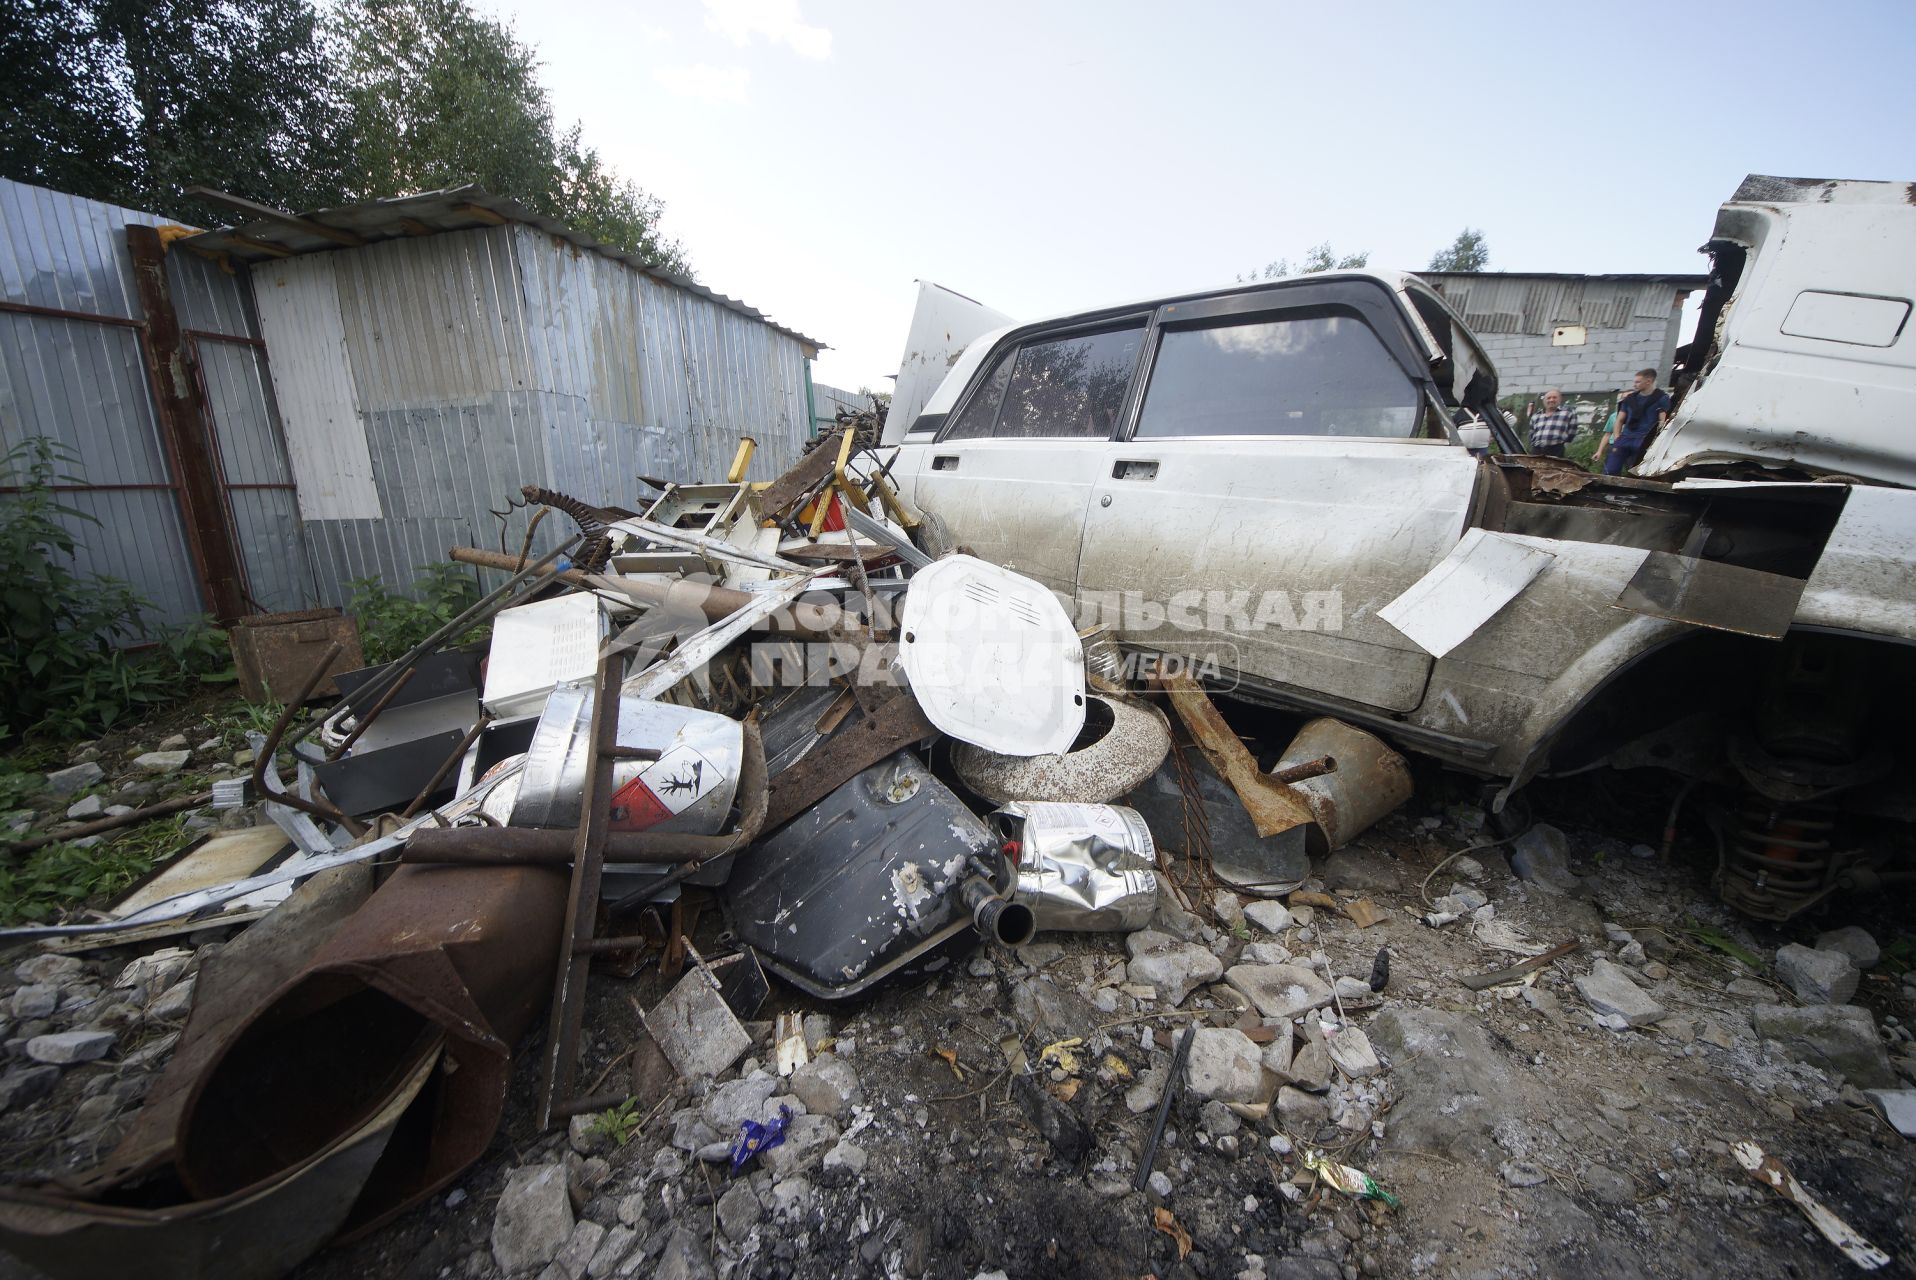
x,y
1283,477
1012,468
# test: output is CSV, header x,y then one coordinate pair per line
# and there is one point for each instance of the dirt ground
x,y
1518,1136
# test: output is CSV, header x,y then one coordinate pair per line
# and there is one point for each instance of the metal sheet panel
x,y
301,320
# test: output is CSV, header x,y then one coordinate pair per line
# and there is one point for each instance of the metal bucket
x,y
1370,779
688,789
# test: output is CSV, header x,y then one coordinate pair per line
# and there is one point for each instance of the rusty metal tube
x,y
716,603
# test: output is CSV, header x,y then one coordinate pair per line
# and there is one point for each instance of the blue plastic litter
x,y
754,1137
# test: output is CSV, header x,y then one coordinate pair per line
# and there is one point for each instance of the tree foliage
x,y
131,101
1468,252
1318,258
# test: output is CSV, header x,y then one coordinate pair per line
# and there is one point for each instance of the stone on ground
x,y
162,762
63,1048
62,783
1272,917
684,1258
1608,990
1839,1037
1279,991
807,1139
1541,857
534,1218
1173,967
1853,941
1817,977
1225,1065
86,808
828,1086
576,1255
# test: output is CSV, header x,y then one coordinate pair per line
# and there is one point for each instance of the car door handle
x,y
1135,469
945,462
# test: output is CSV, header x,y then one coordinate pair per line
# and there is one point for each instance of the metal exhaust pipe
x,y
1007,923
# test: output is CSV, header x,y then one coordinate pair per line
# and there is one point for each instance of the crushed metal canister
x,y
1081,867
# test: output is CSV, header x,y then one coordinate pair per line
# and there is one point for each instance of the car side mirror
x,y
1474,435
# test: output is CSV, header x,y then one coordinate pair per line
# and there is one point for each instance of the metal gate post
x,y
183,429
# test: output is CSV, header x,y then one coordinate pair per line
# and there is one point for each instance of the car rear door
x,y
1283,475
1013,466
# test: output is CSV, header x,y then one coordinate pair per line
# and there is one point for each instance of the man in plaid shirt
x,y
1551,429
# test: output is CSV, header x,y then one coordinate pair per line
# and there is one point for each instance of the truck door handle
x,y
1135,469
945,462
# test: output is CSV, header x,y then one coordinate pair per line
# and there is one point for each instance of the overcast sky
x,y
817,156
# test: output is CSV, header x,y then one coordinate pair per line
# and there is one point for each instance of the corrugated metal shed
x,y
454,209
469,348
1536,302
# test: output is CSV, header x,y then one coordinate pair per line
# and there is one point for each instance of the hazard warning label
x,y
665,788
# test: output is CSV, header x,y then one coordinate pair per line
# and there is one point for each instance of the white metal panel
x,y
1481,575
942,325
319,405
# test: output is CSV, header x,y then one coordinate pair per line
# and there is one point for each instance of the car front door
x,y
1014,464
1283,476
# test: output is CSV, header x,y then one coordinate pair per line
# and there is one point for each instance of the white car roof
x,y
967,364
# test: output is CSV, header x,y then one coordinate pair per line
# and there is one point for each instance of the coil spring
x,y
1778,857
596,550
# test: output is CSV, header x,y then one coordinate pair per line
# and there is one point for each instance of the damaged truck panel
x,y
1803,357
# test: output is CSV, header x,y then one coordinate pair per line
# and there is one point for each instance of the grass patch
x,y
54,880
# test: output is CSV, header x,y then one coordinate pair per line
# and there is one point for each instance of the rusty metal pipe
x,y
1304,769
330,812
365,722
716,603
102,825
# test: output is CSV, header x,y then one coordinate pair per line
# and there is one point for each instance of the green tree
x,y
1319,258
130,101
442,96
1468,252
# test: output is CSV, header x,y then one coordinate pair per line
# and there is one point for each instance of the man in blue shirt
x,y
1640,411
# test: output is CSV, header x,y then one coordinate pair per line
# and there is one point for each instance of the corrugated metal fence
x,y
414,386
73,368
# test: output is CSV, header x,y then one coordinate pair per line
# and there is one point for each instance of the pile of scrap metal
x,y
762,694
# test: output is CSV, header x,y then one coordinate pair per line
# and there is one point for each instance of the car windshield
x,y
1319,375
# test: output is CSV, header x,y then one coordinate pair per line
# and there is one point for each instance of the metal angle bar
x,y
659,678
567,1014
713,547
871,528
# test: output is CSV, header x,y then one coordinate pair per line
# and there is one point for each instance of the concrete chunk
x,y
1224,1064
1280,991
160,763
1608,990
1817,977
534,1219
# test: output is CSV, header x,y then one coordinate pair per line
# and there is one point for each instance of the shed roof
x,y
430,213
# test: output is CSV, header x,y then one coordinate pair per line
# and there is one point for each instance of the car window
x,y
1071,386
1321,375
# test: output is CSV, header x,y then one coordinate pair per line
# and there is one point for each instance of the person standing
x,y
1640,411
1551,429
